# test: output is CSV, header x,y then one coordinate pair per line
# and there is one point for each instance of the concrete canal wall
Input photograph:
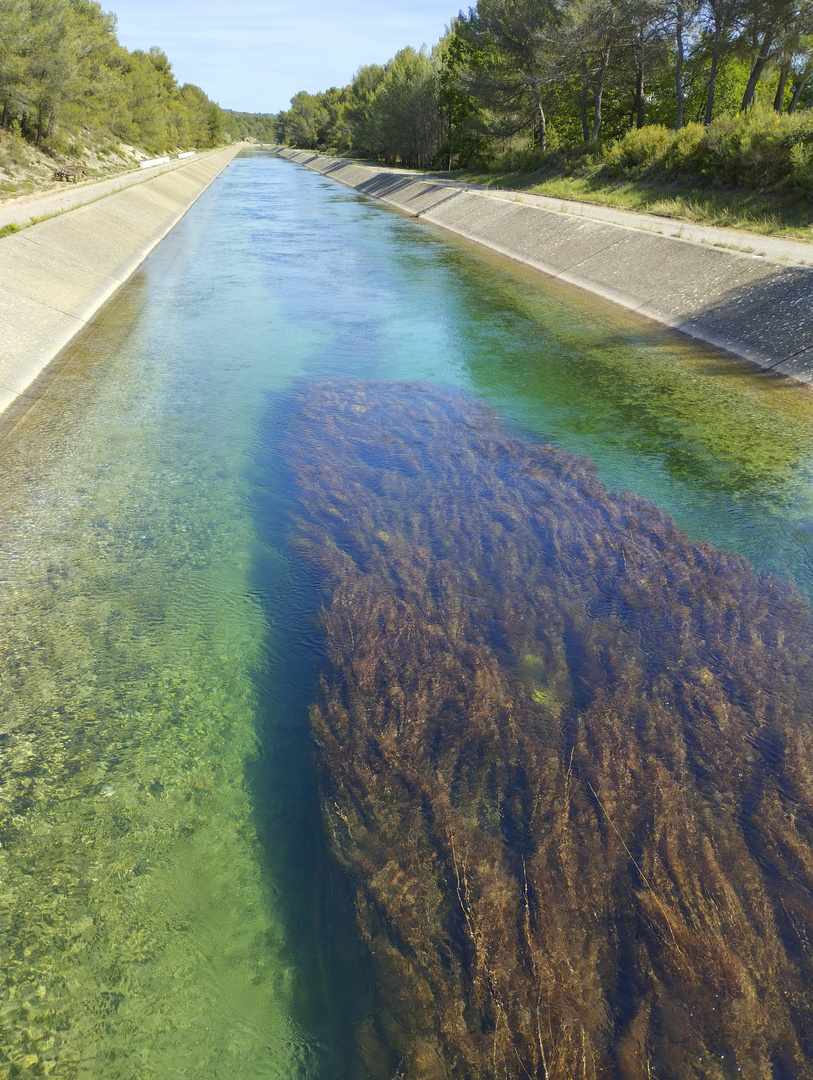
x,y
56,275
757,303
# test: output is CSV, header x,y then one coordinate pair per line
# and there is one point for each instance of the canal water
x,y
161,913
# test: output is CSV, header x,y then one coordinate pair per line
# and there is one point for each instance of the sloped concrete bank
x,y
19,210
757,305
57,275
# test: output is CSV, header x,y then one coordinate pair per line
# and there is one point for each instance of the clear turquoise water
x,y
159,641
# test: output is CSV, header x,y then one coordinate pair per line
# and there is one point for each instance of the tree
x,y
52,69
300,124
596,29
793,52
801,68
15,20
764,26
645,24
681,16
151,87
60,62
402,116
721,19
357,115
461,117
513,57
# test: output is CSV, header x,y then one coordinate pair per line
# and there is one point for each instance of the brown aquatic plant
x,y
565,757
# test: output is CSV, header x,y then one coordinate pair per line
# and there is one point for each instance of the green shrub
x,y
765,150
801,160
639,149
759,150
517,159
58,143
682,152
12,150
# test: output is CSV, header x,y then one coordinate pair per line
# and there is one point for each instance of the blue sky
x,y
252,55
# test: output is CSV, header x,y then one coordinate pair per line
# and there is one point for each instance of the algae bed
x,y
564,757
167,904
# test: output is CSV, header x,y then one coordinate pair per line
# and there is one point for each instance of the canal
x,y
163,906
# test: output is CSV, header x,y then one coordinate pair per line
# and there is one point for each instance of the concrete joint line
x,y
784,360
615,296
445,199
20,393
592,255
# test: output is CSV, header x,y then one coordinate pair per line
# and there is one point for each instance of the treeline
x,y
64,76
512,79
258,126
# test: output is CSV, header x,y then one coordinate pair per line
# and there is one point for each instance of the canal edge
x,y
57,275
757,307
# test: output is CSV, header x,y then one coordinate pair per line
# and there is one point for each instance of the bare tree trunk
x,y
585,91
799,86
543,128
602,74
51,119
679,92
638,109
756,70
779,99
715,64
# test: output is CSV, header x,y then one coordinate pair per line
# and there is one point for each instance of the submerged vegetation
x,y
564,757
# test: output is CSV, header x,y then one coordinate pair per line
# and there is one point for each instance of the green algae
x,y
142,935
592,368
564,759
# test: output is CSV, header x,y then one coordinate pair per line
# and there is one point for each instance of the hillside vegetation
x,y
753,171
69,90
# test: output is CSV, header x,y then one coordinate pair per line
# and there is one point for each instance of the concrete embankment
x,y
56,275
756,304
20,210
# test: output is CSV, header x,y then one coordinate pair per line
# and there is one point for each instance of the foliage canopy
x,y
514,80
64,76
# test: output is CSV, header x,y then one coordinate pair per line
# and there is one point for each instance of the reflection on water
x,y
565,757
161,913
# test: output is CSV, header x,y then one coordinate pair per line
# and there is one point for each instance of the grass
x,y
746,210
752,172
766,213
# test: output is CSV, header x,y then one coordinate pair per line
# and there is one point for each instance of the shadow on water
x,y
333,980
